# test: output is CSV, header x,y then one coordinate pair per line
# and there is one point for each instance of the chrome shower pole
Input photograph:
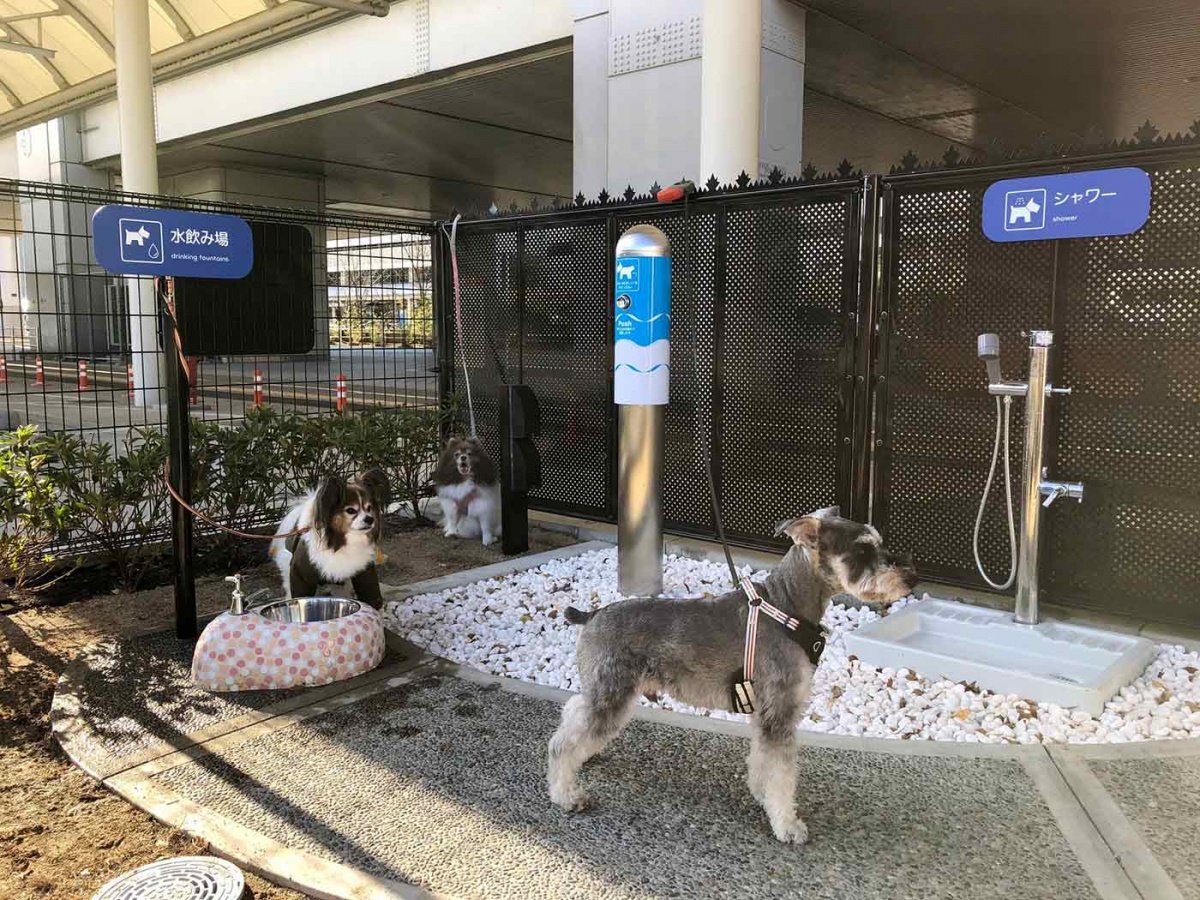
x,y
1034,485
1031,478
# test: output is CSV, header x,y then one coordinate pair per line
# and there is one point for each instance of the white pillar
x,y
730,80
139,174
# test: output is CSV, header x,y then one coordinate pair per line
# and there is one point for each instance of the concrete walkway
x,y
424,779
421,779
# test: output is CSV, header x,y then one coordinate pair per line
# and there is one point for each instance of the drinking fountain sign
x,y
135,240
1099,203
642,318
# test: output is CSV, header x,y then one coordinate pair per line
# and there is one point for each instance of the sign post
x,y
167,243
641,382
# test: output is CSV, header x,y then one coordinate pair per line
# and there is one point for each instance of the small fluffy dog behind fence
x,y
468,491
693,650
344,522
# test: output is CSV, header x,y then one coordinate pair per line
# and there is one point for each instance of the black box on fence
x,y
520,463
270,311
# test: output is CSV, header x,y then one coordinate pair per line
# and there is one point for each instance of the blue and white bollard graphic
x,y
642,332
641,378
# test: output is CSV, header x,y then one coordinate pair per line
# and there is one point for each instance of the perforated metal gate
x,y
1126,317
829,356
761,356
534,309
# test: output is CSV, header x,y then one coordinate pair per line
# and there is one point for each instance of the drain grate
x,y
181,878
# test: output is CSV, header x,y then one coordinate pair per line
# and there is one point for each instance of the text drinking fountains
x,y
1034,483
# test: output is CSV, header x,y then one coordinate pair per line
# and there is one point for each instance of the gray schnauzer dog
x,y
693,649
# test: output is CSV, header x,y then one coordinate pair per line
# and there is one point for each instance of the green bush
x,y
38,512
403,442
236,471
57,489
312,447
124,500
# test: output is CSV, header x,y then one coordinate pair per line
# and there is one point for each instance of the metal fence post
x,y
179,453
861,373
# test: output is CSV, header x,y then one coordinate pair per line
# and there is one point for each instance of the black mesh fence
x,y
823,345
1125,312
347,303
762,333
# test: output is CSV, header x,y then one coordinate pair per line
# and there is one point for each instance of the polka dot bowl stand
x,y
251,653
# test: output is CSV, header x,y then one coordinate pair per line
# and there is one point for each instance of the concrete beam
x,y
353,56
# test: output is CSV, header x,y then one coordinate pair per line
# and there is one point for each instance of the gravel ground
x,y
441,782
513,626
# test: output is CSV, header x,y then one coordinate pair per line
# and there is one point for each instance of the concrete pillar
x,y
730,88
139,175
658,86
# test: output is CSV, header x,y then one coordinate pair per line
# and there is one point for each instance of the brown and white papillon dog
x,y
468,491
344,522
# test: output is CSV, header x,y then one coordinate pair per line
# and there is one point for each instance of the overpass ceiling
x,y
503,131
973,73
1005,73
77,38
504,134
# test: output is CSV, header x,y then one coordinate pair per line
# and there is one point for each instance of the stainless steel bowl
x,y
308,609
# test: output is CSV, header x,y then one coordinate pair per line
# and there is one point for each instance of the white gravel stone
x,y
513,625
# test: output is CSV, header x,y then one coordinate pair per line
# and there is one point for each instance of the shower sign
x,y
1100,203
134,240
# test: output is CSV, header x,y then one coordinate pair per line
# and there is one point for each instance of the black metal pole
x,y
179,453
514,509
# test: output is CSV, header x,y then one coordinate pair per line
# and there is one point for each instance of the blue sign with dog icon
x,y
642,330
1099,203
133,240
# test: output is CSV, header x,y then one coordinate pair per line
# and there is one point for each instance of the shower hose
x,y
1003,418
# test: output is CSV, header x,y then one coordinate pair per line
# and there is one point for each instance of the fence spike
x,y
1146,133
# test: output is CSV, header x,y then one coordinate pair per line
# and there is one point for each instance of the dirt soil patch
x,y
62,835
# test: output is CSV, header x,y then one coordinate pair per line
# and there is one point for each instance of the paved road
x,y
374,378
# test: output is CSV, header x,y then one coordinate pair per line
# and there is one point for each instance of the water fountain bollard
x,y
641,381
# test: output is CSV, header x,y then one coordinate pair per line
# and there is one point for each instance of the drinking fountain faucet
x,y
1033,488
237,607
240,604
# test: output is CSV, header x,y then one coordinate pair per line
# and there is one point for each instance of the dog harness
x,y
810,637
464,504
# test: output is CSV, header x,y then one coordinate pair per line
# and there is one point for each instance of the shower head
x,y
988,347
